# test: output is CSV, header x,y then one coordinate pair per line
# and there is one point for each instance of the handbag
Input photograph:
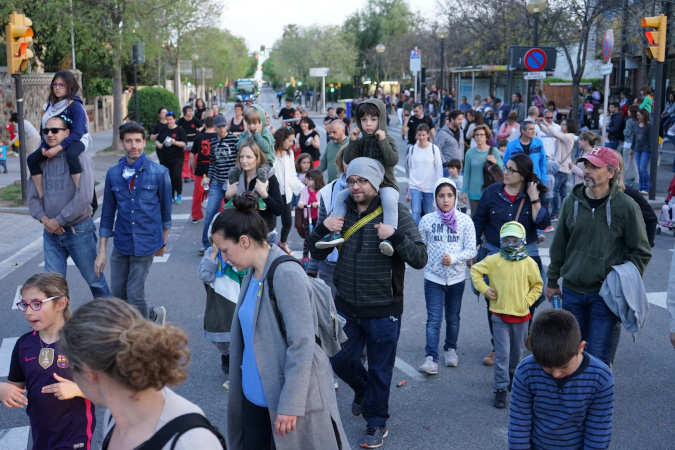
x,y
491,172
300,222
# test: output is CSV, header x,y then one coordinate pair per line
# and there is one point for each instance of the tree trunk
x,y
574,114
176,77
117,99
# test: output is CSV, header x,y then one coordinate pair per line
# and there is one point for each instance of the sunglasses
x,y
35,305
53,131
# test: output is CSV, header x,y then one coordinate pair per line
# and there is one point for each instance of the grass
x,y
11,194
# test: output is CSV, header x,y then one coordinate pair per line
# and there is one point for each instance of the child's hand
x,y
315,205
301,205
380,134
63,390
50,153
354,135
12,397
491,294
384,231
446,260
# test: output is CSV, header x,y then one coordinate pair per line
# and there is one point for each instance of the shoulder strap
x,y
520,208
358,225
270,288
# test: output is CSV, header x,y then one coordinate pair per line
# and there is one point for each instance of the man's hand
x,y
354,135
63,390
159,253
446,260
284,424
380,134
53,226
491,294
334,223
99,263
12,397
384,231
551,292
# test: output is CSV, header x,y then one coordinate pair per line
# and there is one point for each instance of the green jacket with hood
x,y
264,139
370,146
587,243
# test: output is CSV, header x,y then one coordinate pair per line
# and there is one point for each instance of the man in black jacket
x,y
614,126
369,291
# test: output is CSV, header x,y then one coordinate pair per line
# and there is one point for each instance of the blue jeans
x,y
79,242
417,199
559,192
216,196
595,319
642,161
380,336
614,145
437,296
128,274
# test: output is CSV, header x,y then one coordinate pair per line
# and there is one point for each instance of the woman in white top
x,y
124,363
424,168
289,183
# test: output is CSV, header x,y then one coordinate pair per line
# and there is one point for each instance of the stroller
x,y
664,220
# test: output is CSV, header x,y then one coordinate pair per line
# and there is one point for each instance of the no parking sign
x,y
535,60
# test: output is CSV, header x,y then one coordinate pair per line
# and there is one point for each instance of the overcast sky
x,y
261,22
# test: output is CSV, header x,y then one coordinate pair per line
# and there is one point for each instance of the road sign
x,y
186,67
606,69
607,45
534,75
208,74
535,60
415,61
518,52
318,72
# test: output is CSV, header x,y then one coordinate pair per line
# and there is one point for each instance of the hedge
x,y
150,99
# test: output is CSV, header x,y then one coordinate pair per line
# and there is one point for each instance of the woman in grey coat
x,y
281,388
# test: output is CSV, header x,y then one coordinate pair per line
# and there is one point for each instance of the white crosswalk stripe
x,y
6,355
17,297
14,438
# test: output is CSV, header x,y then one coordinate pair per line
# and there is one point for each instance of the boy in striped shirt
x,y
562,397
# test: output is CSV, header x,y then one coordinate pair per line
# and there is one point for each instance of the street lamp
x,y
442,33
536,7
195,58
379,49
134,57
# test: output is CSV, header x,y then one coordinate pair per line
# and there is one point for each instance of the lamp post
x,y
379,49
535,7
195,58
442,33
134,57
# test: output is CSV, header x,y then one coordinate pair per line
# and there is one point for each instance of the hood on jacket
x,y
552,167
579,197
444,180
261,111
382,125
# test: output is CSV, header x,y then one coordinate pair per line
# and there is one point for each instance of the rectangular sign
x,y
186,67
606,69
415,61
518,52
534,75
318,72
208,74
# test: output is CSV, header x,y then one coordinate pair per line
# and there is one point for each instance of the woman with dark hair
x,y
478,119
517,198
640,147
507,128
200,108
309,141
237,125
289,183
290,404
631,172
159,126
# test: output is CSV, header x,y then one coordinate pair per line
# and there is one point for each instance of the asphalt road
x,y
450,410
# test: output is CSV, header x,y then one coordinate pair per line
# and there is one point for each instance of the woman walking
x,y
472,185
424,168
237,125
289,183
309,141
508,127
631,173
640,147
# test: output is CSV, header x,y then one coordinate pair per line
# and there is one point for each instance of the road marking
x,y
545,257
401,179
17,297
161,259
6,354
173,217
69,262
14,438
408,369
657,298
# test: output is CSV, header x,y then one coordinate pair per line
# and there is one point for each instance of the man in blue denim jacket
x,y
532,146
139,190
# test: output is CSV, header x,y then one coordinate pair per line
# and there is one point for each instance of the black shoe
x,y
356,406
225,364
500,399
374,437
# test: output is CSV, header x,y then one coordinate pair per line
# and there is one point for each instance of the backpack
x,y
491,172
330,331
173,430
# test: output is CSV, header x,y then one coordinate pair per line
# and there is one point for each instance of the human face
x,y
331,112
247,159
310,183
563,126
613,109
422,137
288,104
235,252
480,136
50,314
369,124
342,115
133,144
529,131
454,171
469,117
641,118
548,117
188,113
59,88
458,121
361,191
336,131
238,111
596,177
162,114
214,108
171,121
222,131
445,198
419,112
511,241
288,142
463,100
55,139
512,177
305,165
304,126
514,98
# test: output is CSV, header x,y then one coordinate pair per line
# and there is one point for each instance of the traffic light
x,y
189,84
332,89
299,83
260,67
657,39
220,84
19,35
262,50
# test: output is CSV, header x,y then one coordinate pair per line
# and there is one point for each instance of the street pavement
x,y
450,410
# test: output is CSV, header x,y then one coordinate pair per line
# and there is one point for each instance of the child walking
x,y
309,205
375,143
515,284
3,156
60,416
302,165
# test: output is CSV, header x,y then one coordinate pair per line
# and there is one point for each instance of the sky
x,y
261,22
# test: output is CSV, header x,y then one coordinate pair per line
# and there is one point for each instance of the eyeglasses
x,y
53,131
512,241
360,182
35,305
509,170
58,85
479,135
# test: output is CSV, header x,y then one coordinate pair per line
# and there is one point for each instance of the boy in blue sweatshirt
x,y
562,396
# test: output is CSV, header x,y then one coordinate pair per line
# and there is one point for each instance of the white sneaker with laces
x,y
450,357
429,366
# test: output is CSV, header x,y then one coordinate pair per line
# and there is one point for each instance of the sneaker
x,y
285,247
179,199
554,218
356,406
541,238
386,248
225,364
451,357
330,240
644,192
489,360
160,315
374,437
335,383
429,366
548,229
500,399
194,220
226,386
202,250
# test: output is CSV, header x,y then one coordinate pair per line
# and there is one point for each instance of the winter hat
x,y
368,168
514,229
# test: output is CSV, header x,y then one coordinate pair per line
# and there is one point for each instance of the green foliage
x,y
150,99
93,86
290,91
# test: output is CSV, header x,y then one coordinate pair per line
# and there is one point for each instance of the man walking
x,y
65,211
201,149
532,146
518,106
410,124
369,291
599,227
449,138
614,126
137,212
336,140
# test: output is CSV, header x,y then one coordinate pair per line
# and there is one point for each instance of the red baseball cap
x,y
602,156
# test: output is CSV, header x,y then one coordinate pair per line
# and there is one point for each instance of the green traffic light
x,y
189,84
332,89
299,83
220,84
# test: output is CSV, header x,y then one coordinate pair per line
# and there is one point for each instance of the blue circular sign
x,y
607,45
535,60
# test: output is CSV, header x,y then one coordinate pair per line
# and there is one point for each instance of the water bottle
x,y
205,183
556,302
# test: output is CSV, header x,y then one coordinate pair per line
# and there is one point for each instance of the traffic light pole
x,y
654,144
134,49
22,138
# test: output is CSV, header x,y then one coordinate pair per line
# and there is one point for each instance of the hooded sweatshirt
x,y
587,243
370,146
265,139
79,121
441,240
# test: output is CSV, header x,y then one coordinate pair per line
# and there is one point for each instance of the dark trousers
x,y
380,336
258,429
305,245
175,167
286,222
72,157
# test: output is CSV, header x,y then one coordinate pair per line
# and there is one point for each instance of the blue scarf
x,y
129,170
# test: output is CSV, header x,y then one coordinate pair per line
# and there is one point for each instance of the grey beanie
x,y
368,168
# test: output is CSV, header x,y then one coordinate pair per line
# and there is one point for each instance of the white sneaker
x,y
335,383
450,357
429,366
386,248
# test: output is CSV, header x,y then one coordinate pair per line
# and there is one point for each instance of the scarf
x,y
54,109
510,253
449,218
129,170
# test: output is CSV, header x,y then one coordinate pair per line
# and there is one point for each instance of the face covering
x,y
513,253
449,218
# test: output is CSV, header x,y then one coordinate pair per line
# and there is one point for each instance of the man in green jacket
x,y
599,227
337,140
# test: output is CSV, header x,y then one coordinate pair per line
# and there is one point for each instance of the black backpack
x,y
173,430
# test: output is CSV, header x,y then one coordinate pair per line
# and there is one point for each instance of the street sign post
x,y
517,56
534,75
535,60
606,70
607,45
323,73
415,65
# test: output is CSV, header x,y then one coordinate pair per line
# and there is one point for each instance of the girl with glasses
x,y
60,416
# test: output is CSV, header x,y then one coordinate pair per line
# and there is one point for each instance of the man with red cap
x,y
599,227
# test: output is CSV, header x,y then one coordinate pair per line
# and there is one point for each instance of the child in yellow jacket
x,y
515,284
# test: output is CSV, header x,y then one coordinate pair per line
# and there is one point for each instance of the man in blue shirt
x,y
139,191
530,145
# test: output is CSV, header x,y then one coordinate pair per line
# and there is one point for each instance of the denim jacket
x,y
143,209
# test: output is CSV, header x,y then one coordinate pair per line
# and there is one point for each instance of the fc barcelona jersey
x,y
55,424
